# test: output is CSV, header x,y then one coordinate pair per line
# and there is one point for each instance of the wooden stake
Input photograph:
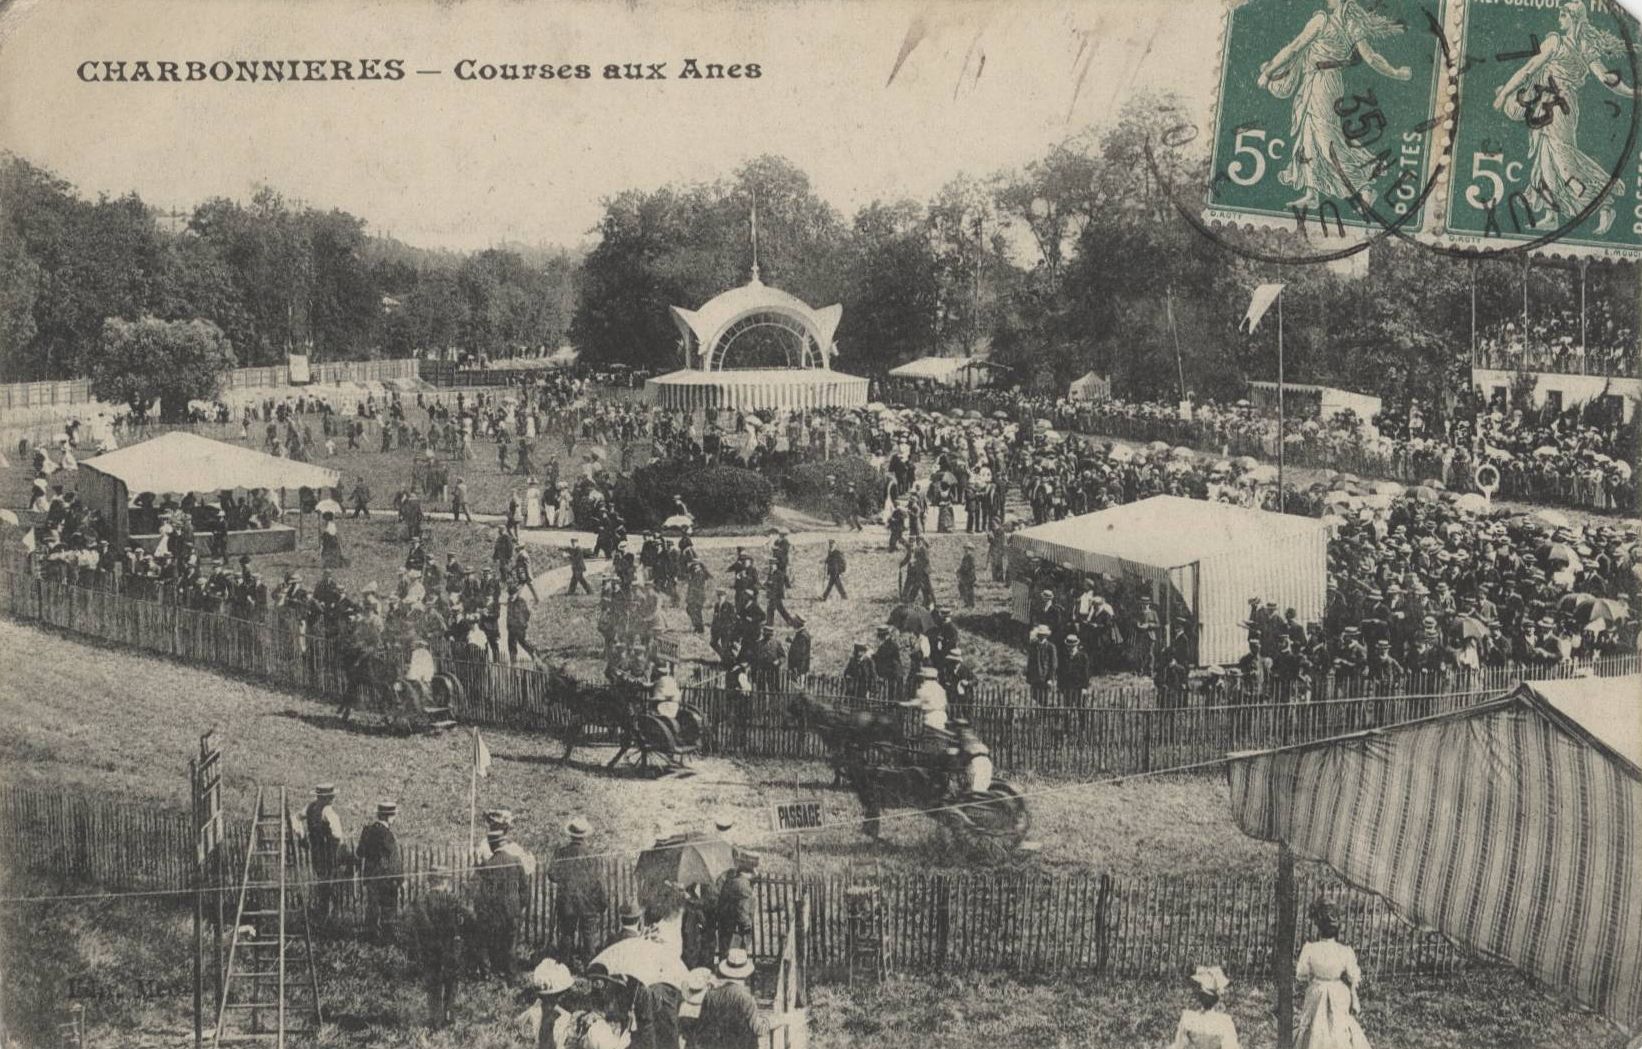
x,y
1282,949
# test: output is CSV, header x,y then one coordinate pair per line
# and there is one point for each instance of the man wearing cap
x,y
835,565
736,904
889,663
929,699
547,1024
799,648
436,924
580,898
859,674
1042,665
729,1013
501,894
382,870
1076,670
324,829
957,678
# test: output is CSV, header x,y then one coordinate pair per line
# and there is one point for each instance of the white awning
x,y
183,462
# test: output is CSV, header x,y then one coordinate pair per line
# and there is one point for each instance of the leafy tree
x,y
139,362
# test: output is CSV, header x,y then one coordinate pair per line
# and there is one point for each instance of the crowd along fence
x,y
1529,482
1142,732
909,922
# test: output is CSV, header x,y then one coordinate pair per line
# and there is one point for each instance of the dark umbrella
x,y
915,619
1587,607
694,861
1470,628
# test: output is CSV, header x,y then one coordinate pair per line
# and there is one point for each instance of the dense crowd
x,y
1556,343
1576,457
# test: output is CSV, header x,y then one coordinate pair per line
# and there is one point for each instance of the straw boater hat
x,y
551,978
578,829
736,964
696,986
387,808
1211,980
325,790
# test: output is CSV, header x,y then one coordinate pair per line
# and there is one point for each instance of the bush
x,y
716,495
805,486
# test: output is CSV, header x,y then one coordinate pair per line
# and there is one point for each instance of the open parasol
x,y
1423,493
1470,628
328,506
1587,607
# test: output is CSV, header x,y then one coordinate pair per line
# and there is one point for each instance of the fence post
x,y
1282,947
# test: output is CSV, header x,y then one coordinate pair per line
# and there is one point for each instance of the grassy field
x,y
128,961
65,696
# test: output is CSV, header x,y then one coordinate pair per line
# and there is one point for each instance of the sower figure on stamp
x,y
1309,69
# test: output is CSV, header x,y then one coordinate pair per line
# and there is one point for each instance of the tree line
x,y
272,276
1078,260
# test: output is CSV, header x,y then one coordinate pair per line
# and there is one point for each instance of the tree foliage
x,y
137,363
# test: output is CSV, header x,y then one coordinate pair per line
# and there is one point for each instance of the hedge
x,y
806,486
716,495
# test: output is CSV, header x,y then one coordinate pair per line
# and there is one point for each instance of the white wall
x,y
1575,389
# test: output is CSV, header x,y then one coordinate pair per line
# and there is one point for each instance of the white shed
x,y
1090,386
1204,560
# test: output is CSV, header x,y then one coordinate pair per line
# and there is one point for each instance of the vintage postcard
x,y
766,524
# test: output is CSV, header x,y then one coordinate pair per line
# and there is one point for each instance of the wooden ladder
x,y
271,935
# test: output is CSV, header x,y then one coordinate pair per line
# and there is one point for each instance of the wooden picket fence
x,y
1082,923
1139,732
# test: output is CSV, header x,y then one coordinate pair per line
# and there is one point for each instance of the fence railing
x,y
1503,358
1086,923
1169,730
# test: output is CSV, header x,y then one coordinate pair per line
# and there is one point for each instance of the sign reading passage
x,y
797,815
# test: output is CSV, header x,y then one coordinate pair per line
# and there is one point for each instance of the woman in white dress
x,y
1204,1025
533,506
1328,968
567,516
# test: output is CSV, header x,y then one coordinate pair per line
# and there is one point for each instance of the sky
x,y
444,163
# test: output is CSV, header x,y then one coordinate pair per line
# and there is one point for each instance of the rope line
x,y
624,853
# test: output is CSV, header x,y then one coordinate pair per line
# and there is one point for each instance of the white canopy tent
x,y
1202,560
181,462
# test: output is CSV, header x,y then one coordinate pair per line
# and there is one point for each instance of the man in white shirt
x,y
930,698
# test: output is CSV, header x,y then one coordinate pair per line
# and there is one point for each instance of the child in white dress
x,y
1328,1017
1206,1026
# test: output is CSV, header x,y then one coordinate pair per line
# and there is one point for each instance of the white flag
x,y
481,756
1264,296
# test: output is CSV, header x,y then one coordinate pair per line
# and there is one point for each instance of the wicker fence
x,y
917,922
1145,733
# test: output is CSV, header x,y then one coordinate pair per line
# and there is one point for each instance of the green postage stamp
x,y
1325,106
1546,152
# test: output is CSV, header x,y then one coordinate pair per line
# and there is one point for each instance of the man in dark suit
x,y
580,898
324,829
437,922
382,869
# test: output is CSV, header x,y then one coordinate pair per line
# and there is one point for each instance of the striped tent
x,y
1514,828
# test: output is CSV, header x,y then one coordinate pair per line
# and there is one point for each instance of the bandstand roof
x,y
185,462
709,323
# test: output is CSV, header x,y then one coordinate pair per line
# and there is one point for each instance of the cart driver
x,y
665,692
974,761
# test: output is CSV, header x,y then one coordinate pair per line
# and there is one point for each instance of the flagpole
x,y
473,802
1280,412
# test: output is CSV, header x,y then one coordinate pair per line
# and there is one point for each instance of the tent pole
x,y
1282,948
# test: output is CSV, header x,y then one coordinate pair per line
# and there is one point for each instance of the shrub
x,y
805,486
716,495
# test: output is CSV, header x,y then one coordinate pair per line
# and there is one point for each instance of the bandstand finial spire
x,y
755,238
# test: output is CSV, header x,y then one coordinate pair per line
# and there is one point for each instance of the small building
x,y
1514,828
1561,390
1090,386
1202,561
1303,400
968,373
180,463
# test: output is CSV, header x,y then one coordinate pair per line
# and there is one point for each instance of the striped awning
x,y
1513,828
756,388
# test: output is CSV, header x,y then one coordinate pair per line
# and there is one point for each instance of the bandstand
x,y
756,347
